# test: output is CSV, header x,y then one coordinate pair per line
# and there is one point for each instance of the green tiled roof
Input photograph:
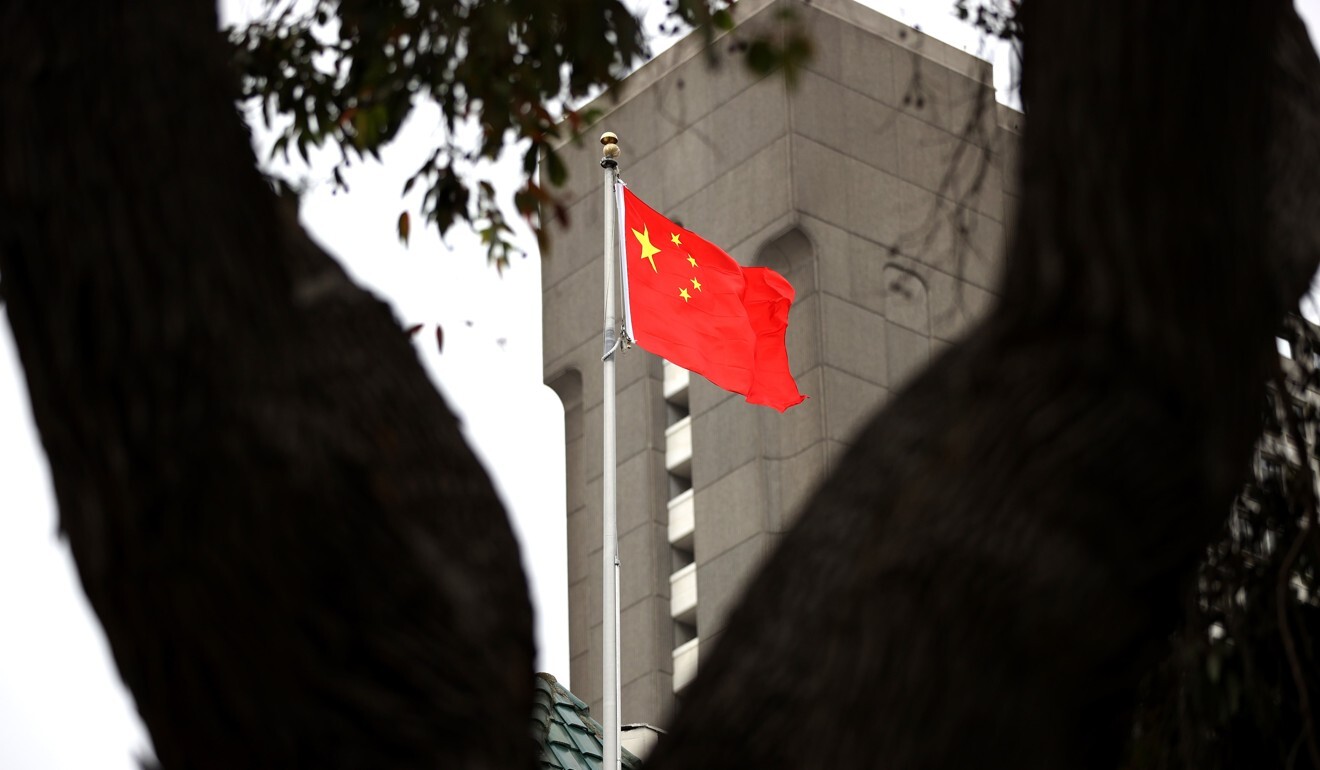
x,y
567,735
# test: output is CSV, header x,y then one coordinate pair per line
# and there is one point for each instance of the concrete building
x,y
879,186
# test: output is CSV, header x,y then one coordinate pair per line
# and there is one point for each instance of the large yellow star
x,y
695,284
691,260
673,238
684,294
648,251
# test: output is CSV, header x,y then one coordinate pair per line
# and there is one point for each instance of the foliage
x,y
1237,687
349,73
996,18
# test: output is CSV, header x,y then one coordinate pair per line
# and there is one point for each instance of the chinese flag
x,y
689,302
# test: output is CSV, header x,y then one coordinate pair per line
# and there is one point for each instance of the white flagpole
x,y
610,538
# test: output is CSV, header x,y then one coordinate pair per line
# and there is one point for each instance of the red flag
x,y
689,302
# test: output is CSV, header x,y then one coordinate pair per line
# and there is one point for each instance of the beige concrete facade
x,y
848,184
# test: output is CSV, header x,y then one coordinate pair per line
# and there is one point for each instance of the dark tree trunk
x,y
996,562
297,560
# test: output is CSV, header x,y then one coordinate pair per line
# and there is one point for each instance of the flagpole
x,y
610,539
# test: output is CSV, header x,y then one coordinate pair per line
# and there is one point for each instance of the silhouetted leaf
x,y
554,167
404,227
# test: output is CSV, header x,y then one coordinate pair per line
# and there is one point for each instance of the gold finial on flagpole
x,y
611,149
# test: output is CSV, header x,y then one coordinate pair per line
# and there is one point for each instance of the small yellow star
x,y
692,261
684,294
695,284
673,237
648,250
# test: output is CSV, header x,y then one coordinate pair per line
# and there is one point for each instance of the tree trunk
x,y
297,560
998,559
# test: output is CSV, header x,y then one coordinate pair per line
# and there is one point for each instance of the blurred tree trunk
x,y
297,560
1000,556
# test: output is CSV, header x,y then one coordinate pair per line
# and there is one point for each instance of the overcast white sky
x,y
61,704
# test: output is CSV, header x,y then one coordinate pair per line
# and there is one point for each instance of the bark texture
x,y
296,558
998,559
